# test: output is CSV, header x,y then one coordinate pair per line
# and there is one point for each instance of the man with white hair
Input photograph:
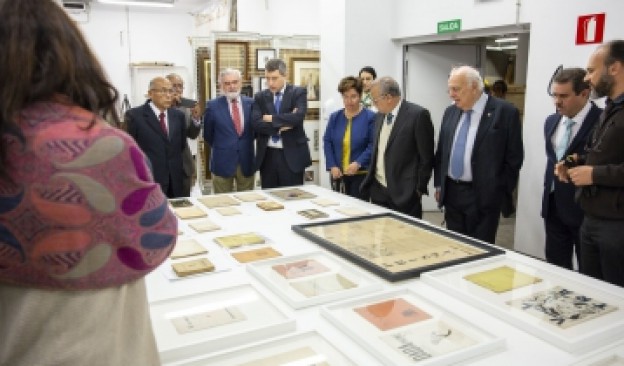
x,y
478,157
227,129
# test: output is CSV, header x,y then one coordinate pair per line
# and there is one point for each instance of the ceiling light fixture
x,y
155,3
506,40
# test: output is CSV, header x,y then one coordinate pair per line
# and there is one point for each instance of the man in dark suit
x,y
282,151
227,129
160,132
402,158
191,111
478,157
566,133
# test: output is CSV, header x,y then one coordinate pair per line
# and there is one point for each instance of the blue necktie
x,y
459,150
278,103
389,116
562,146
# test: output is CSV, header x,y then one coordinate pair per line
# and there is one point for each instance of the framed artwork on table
x,y
312,279
564,308
262,56
194,325
306,73
232,54
302,348
394,247
402,328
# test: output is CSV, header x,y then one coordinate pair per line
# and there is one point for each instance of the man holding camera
x,y
565,133
600,173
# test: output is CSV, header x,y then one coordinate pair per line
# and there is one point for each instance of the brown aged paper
x,y
393,244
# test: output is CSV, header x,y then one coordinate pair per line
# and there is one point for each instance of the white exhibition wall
x,y
354,33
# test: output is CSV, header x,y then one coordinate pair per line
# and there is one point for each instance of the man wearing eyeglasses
x,y
600,173
191,111
160,131
402,160
478,157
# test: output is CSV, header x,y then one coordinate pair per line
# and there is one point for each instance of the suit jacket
x,y
497,153
229,149
362,132
192,131
294,141
567,209
409,154
164,152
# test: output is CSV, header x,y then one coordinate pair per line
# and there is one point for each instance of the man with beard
x,y
227,129
600,173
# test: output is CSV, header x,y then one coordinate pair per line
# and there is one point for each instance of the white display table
x,y
292,318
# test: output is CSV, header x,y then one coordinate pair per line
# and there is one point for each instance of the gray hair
x,y
276,64
230,71
387,86
472,75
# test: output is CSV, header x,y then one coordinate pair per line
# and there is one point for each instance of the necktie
x,y
236,117
278,103
459,150
163,125
389,118
562,146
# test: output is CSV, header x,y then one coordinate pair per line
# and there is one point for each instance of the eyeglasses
x,y
376,100
178,86
163,91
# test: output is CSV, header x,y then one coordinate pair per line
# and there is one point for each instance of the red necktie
x,y
236,117
163,125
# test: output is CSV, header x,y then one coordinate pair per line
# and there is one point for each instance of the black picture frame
x,y
263,55
381,271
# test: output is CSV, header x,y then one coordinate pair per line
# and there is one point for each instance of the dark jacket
x,y
605,198
568,210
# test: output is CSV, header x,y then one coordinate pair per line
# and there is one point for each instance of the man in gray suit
x,y
403,151
191,111
478,157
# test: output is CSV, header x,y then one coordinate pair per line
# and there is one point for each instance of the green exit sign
x,y
448,26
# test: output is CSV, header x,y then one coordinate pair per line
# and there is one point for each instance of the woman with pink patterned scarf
x,y
81,219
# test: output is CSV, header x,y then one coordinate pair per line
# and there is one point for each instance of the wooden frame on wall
x,y
262,56
233,54
305,72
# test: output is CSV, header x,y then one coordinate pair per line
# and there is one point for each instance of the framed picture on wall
x,y
262,56
306,73
232,54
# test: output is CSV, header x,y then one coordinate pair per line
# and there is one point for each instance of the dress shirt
x,y
157,112
277,144
578,119
475,119
386,129
240,112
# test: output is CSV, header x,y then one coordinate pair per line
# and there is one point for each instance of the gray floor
x,y
504,235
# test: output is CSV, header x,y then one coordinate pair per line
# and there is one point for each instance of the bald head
x,y
465,86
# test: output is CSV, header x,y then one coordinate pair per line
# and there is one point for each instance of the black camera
x,y
570,161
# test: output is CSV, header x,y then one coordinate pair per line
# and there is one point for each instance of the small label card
x,y
324,202
270,205
210,319
218,201
313,214
351,211
228,211
192,212
502,279
203,226
256,255
187,248
250,197
194,266
238,240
